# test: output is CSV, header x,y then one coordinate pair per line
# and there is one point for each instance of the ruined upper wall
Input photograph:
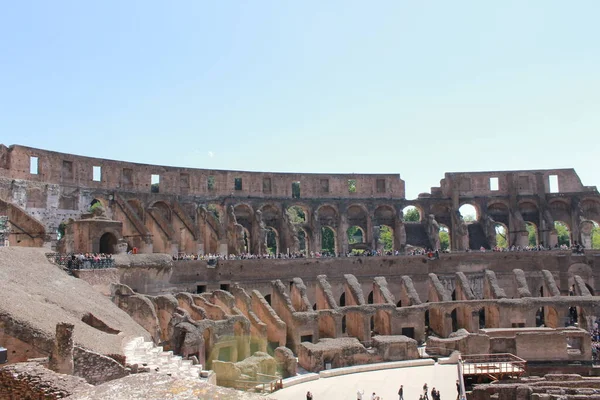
x,y
503,183
68,169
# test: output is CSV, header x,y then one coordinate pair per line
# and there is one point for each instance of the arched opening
x,y
370,298
469,213
532,234
268,299
95,204
343,300
296,215
302,242
501,236
399,304
355,235
272,241
589,234
426,318
454,317
539,317
563,234
328,242
108,241
344,324
385,239
411,214
163,209
247,241
444,238
373,325
482,323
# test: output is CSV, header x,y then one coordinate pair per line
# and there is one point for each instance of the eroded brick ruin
x,y
245,317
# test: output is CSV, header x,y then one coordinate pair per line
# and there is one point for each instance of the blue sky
x,y
415,88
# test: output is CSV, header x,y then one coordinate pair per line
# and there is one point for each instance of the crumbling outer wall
x,y
175,180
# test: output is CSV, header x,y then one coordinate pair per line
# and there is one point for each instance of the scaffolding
x,y
493,366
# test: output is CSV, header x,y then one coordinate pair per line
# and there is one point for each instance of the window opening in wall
x,y
96,173
200,289
67,170
33,165
411,214
225,287
324,183
154,183
127,177
266,185
184,181
237,183
553,183
210,182
351,185
380,185
494,183
296,190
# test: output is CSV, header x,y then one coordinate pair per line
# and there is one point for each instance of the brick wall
x,y
32,381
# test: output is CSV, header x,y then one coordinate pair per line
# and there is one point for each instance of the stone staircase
x,y
152,358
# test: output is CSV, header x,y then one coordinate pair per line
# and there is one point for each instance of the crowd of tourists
x,y
595,334
576,248
83,260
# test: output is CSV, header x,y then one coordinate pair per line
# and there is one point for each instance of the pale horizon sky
x,y
417,89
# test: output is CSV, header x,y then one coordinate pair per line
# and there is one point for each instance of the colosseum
x,y
227,280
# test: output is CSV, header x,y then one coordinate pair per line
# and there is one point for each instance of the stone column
x,y
61,359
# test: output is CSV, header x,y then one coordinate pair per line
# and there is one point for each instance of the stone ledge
x,y
296,380
375,367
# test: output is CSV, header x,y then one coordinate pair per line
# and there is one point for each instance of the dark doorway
x,y
409,332
108,241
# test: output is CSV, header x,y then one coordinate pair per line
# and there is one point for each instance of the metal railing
x,y
75,262
493,365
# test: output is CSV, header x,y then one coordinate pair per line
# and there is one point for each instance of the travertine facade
x,y
195,210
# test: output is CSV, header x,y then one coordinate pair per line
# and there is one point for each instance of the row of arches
x,y
327,230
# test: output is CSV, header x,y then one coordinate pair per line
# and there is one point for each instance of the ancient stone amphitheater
x,y
189,301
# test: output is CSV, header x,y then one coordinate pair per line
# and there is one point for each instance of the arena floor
x,y
384,383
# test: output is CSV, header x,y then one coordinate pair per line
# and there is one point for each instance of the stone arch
x,y
244,215
502,235
530,211
409,207
356,235
445,238
384,214
301,210
328,234
271,214
559,227
560,209
303,241
468,208
584,271
108,243
588,229
533,231
590,209
328,215
163,209
273,241
499,211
